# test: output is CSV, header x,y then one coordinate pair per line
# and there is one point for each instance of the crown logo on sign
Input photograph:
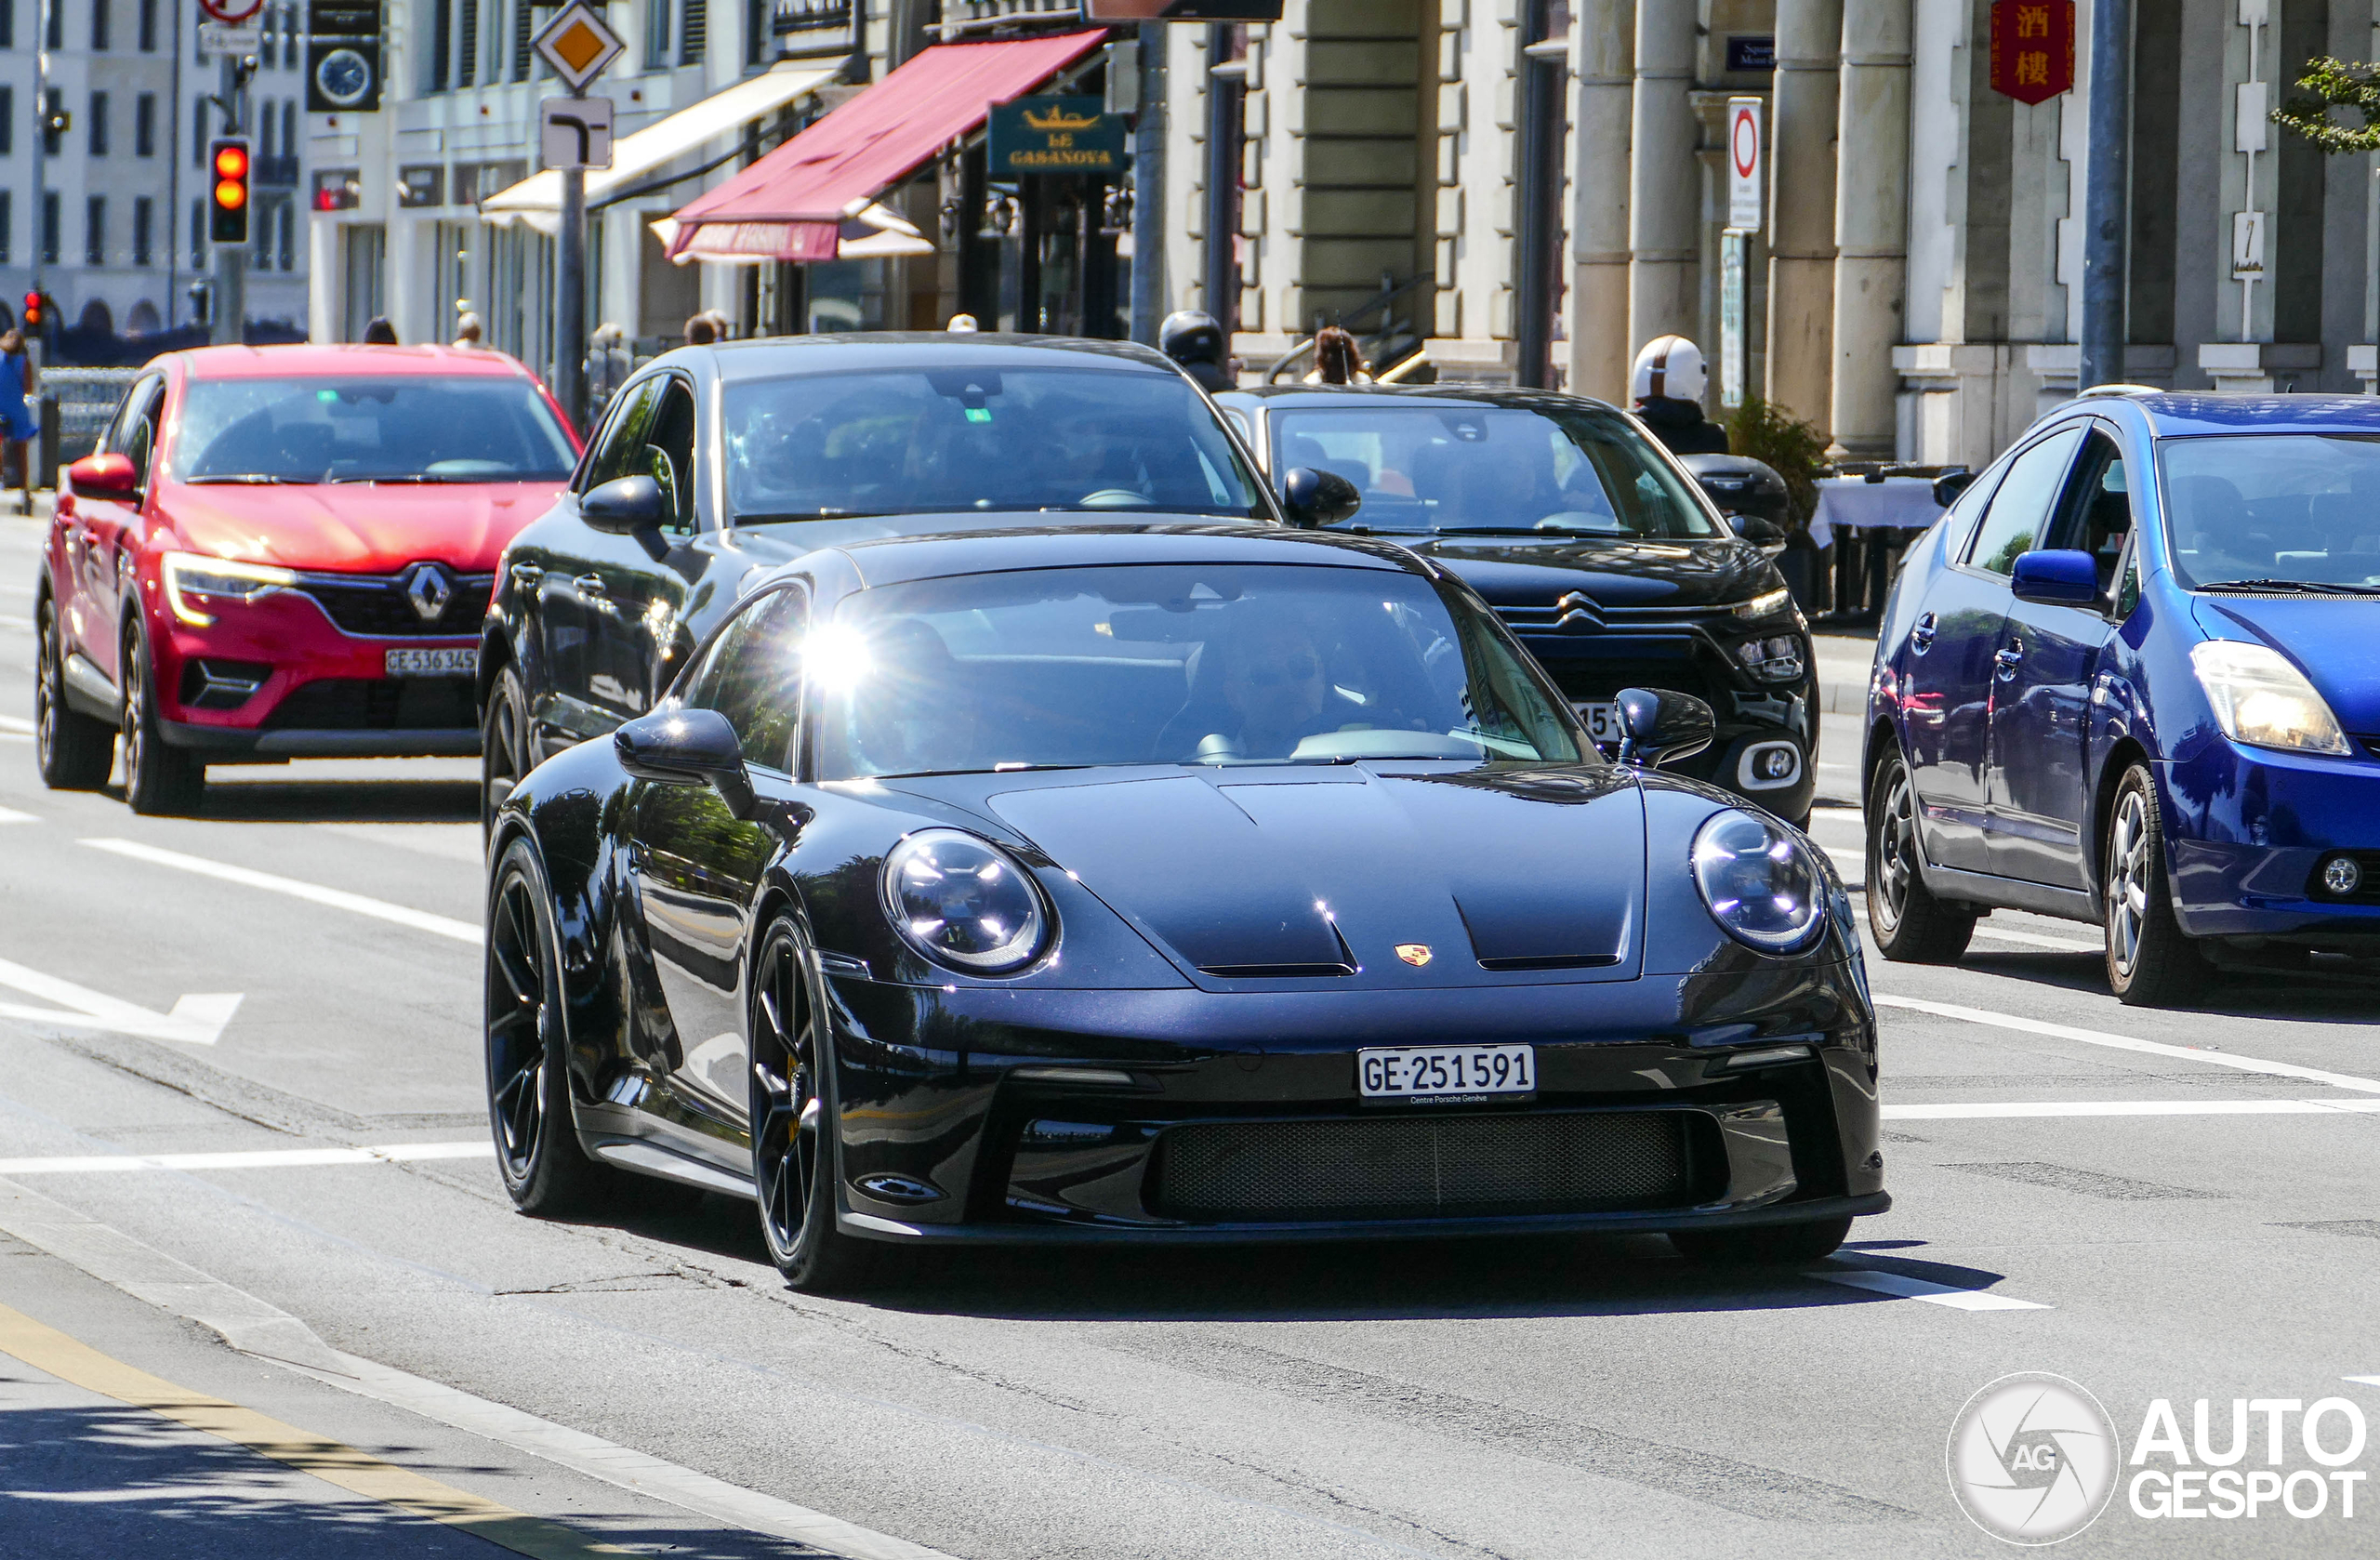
x,y
1059,119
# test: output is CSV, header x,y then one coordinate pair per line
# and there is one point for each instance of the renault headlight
x,y
2263,701
1759,882
964,902
190,575
1765,604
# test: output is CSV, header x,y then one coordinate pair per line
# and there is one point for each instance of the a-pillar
x,y
1665,181
1870,225
1603,72
1801,208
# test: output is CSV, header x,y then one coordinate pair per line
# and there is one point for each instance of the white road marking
x,y
2045,1108
194,1020
260,1159
2362,1380
338,899
9,816
23,624
16,723
2125,1042
1903,1287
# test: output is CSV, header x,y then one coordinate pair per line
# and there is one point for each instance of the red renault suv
x,y
282,552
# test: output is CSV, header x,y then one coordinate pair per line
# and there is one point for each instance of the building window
x,y
265,125
524,27
289,38
198,133
50,222
144,219
7,23
656,34
8,117
100,10
285,223
99,124
144,124
95,231
148,26
198,234
289,137
467,57
7,226
56,38
695,32
442,34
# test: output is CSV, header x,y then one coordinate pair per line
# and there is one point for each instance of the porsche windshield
x,y
1171,663
2274,511
1453,467
927,441
415,429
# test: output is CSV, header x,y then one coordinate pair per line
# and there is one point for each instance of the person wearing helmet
x,y
1192,338
1667,390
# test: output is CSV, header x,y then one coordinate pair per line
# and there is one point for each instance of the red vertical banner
x,y
2032,49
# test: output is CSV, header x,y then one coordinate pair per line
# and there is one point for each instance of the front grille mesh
x,y
1417,1165
360,704
382,610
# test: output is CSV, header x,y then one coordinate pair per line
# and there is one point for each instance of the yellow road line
x,y
47,1349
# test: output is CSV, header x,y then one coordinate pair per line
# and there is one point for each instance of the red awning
x,y
790,203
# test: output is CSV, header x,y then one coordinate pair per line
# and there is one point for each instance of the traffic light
x,y
34,315
227,220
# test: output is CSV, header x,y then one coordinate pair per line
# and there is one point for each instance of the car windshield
x,y
2278,510
1449,467
449,428
1171,663
1011,441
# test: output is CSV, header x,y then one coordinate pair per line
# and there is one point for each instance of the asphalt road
x,y
423,1371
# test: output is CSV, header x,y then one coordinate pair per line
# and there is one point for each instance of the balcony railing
x,y
789,18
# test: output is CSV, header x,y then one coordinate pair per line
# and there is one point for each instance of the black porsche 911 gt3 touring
x,y
1155,884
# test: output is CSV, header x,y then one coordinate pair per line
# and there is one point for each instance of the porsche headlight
x,y
1759,882
214,580
964,902
2263,701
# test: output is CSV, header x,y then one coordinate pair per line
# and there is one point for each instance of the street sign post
x,y
229,37
578,44
1733,248
1745,156
575,132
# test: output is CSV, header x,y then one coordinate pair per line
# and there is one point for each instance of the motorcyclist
x,y
1666,388
1193,339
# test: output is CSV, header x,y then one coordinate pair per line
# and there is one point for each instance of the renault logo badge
x,y
428,589
1415,954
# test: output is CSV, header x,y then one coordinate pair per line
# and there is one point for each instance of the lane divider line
x,y
2362,1380
2125,1042
262,1158
338,899
1900,1286
70,1361
256,1327
10,815
2043,1108
17,723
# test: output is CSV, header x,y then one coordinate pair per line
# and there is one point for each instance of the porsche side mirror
x,y
1658,725
2057,576
104,476
1313,498
687,747
1951,484
626,507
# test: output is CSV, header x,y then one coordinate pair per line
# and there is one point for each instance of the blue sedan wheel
x,y
2150,962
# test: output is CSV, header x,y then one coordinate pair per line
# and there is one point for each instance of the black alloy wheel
x,y
1909,924
2150,962
74,751
793,1140
546,1172
159,779
1764,1244
504,747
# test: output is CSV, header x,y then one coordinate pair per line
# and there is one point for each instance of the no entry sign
x,y
2032,49
1743,164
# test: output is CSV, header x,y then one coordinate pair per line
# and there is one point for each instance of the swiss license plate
x,y
1602,719
1446,1072
433,663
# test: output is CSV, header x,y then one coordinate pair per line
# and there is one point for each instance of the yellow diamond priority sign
x,y
578,44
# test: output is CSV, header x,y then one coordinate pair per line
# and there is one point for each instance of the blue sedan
x,y
2133,677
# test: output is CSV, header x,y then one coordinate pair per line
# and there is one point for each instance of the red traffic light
x,y
231,161
33,311
228,222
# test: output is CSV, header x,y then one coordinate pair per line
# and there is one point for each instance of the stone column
x,y
1664,180
1801,208
1603,41
1870,225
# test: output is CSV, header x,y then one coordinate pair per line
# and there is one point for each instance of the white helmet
x,y
1669,365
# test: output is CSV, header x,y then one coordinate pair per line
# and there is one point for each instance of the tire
x,y
795,1153
1909,924
2150,962
546,1170
73,751
1764,1244
504,747
158,780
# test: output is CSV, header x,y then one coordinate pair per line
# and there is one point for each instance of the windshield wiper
x,y
421,477
1526,531
820,514
2299,587
253,478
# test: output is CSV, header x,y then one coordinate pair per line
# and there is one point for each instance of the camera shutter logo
x,y
2033,1459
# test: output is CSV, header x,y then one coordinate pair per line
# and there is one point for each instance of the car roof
x,y
2184,413
301,359
769,357
894,559
1360,395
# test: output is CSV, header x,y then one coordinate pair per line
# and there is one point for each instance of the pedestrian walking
x,y
609,363
1667,392
380,333
700,332
1337,359
469,333
18,428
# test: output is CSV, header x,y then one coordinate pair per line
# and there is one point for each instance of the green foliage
x,y
2336,84
1771,434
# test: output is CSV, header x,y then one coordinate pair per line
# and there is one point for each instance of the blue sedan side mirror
x,y
2057,577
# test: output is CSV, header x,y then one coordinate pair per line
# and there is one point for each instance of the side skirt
x,y
88,691
2014,893
647,1158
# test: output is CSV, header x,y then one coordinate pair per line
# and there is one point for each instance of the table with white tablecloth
x,y
1867,524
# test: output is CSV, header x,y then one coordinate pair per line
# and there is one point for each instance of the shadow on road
x,y
340,801
2328,989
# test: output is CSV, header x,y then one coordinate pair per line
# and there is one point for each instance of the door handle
x,y
526,575
2007,661
591,584
1920,639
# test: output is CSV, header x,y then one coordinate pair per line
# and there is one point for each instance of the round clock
x,y
344,77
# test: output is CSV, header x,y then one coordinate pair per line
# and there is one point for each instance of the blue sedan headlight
x,y
1759,882
964,902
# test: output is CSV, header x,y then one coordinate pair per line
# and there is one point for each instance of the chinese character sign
x,y
2032,49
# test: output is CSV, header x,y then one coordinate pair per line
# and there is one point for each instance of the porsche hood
x,y
1405,879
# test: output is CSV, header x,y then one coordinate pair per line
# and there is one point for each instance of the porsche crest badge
x,y
1415,954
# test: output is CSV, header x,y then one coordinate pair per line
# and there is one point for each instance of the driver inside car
x,y
1274,685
